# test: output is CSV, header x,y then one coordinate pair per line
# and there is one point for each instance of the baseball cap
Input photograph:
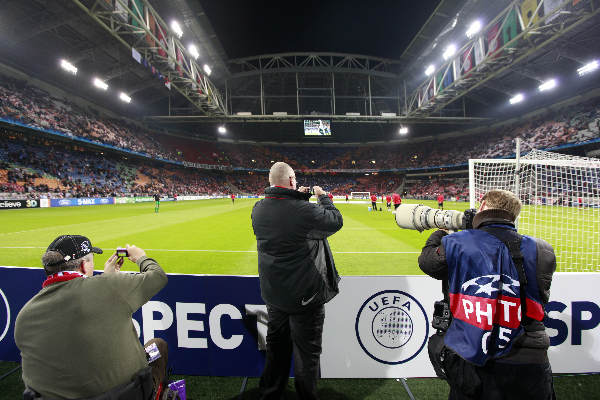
x,y
72,247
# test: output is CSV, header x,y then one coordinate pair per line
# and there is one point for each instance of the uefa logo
x,y
392,327
4,315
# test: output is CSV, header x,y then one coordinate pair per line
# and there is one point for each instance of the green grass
x,y
214,237
206,237
217,225
221,388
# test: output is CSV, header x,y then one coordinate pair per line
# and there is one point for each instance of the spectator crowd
x,y
35,163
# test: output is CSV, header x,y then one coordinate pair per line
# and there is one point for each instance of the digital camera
x,y
122,252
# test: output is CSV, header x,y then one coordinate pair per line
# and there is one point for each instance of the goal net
x,y
360,195
561,201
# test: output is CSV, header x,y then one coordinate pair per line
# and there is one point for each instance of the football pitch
x,y
215,237
207,236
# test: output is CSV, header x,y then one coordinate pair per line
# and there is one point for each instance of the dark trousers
x,y
301,333
503,381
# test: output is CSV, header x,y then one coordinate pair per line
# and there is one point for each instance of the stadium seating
x,y
33,164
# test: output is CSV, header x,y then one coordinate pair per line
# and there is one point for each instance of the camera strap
x,y
512,240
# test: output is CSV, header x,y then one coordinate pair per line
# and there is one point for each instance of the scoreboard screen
x,y
317,127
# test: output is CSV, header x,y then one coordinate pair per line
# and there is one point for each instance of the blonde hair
x,y
503,200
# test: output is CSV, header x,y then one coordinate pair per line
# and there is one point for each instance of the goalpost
x,y
360,195
561,201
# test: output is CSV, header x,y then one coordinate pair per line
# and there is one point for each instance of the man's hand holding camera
x,y
115,262
316,190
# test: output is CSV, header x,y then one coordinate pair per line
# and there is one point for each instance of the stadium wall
x,y
216,325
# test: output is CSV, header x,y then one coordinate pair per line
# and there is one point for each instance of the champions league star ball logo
x,y
4,315
489,284
392,327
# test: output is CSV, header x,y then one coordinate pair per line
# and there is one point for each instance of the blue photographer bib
x,y
484,292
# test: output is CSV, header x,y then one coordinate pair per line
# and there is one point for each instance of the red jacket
x,y
388,199
440,198
373,198
397,199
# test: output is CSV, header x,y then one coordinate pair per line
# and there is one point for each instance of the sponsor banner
x,y
15,204
44,203
91,201
124,200
377,326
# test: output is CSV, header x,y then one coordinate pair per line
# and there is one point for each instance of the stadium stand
x,y
35,164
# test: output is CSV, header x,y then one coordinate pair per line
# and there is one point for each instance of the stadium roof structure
x,y
125,43
131,45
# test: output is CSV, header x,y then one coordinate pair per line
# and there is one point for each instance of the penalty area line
x,y
235,251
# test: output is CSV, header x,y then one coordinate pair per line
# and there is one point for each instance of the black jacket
x,y
532,346
295,264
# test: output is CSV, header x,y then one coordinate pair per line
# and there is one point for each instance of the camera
x,y
441,316
420,218
122,252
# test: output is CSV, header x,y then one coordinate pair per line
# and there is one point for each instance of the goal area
x,y
360,195
561,201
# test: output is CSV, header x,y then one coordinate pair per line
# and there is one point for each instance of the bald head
x,y
281,174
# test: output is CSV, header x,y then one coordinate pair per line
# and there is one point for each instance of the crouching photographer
x,y
76,336
491,276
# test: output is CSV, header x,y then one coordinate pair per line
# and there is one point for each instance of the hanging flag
x,y
199,83
551,8
466,61
479,52
494,39
152,27
179,62
145,62
171,53
168,83
162,41
136,55
121,11
137,6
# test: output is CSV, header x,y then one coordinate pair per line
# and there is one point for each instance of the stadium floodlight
x,y
517,98
222,129
67,66
449,52
176,29
124,97
207,69
430,69
587,68
474,28
549,84
100,84
193,51
403,130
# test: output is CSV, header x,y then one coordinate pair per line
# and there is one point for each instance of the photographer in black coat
x,y
297,277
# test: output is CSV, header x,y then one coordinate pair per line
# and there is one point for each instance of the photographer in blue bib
x,y
490,342
76,336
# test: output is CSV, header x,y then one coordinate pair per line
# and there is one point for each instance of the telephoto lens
x,y
420,218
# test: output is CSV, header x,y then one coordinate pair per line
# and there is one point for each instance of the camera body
x,y
441,316
421,217
122,252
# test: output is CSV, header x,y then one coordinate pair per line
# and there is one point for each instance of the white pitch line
x,y
238,251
